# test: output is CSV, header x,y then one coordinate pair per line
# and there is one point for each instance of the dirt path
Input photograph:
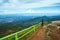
x,y
38,35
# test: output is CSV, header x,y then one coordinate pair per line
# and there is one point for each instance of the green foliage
x,y
21,33
51,27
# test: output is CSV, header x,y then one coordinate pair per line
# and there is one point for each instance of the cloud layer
x,y
30,7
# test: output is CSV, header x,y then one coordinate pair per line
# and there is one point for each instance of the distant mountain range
x,y
20,19
14,18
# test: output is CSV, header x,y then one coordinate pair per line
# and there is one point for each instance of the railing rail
x,y
20,34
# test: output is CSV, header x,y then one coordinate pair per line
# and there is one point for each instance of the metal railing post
x,y
16,37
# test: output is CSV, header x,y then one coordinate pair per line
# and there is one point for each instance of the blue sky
x,y
30,7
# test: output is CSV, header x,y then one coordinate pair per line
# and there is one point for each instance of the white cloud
x,y
24,6
43,3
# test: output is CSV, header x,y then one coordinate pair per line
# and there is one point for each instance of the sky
x,y
30,7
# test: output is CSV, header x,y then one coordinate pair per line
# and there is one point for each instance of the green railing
x,y
21,34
